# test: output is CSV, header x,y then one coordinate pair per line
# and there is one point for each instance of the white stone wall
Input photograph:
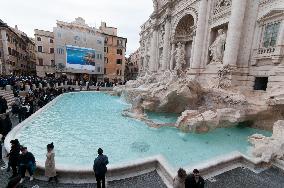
x,y
242,22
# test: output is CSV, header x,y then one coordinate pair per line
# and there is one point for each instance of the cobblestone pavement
x,y
150,180
245,178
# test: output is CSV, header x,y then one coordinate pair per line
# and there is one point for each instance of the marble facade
x,y
246,35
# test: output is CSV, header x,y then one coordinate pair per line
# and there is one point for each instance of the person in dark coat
x,y
3,105
194,180
100,168
7,125
14,156
26,162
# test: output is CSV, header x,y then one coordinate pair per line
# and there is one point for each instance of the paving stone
x,y
245,178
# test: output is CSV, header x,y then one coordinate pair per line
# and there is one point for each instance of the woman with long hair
x,y
50,171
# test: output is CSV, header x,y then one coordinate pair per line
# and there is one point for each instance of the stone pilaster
x,y
279,49
199,38
234,32
166,45
172,57
153,50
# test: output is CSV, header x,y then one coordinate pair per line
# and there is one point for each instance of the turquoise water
x,y
79,123
163,117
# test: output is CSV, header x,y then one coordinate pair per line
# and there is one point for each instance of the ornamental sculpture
x,y
180,57
218,47
221,5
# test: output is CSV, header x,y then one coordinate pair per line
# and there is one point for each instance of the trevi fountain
x,y
217,63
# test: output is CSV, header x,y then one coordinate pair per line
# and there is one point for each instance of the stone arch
x,y
188,12
184,27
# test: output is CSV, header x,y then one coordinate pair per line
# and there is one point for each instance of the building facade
x,y
78,35
45,59
16,51
202,38
131,67
114,52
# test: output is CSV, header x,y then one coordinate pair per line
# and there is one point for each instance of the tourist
x,y
100,168
1,160
179,180
50,171
14,157
3,105
194,180
6,124
26,162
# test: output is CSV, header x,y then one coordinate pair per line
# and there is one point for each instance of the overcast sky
x,y
126,15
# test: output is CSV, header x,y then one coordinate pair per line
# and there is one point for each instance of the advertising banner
x,y
80,58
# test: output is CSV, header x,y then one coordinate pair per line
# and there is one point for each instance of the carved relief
x,y
217,48
162,36
220,5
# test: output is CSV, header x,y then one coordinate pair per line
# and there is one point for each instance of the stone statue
x,y
155,5
180,57
218,47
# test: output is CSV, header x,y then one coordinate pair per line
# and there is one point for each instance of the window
x,y
51,50
260,83
60,51
106,40
119,42
106,49
8,37
40,62
10,51
105,70
270,35
59,35
106,60
51,40
76,38
39,48
117,72
99,69
52,63
119,51
119,61
38,39
99,41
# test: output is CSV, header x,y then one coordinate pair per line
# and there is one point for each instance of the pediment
x,y
271,14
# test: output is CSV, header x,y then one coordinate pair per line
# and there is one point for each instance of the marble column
x,y
234,32
166,45
172,57
199,38
279,52
153,51
280,38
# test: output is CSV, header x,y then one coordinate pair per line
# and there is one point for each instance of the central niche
x,y
184,35
184,28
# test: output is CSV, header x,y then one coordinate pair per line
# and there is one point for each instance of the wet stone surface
x,y
151,179
245,178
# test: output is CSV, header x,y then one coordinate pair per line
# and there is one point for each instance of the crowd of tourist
x,y
192,180
19,82
20,160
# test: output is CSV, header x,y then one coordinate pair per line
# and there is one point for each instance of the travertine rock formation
x,y
269,148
